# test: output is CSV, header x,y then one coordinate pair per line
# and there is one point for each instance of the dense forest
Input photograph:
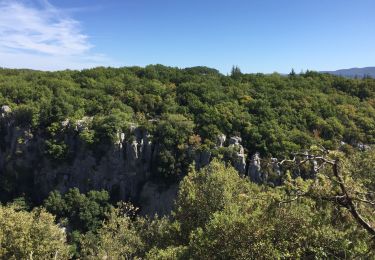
x,y
77,148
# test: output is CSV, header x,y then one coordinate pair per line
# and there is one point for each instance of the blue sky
x,y
258,36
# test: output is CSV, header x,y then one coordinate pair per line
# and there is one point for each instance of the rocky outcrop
x,y
82,124
275,166
221,140
202,159
124,167
363,147
5,110
254,170
235,140
240,159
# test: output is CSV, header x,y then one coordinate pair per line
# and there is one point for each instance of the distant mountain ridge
x,y
354,72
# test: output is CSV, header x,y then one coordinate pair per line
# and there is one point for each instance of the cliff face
x,y
123,168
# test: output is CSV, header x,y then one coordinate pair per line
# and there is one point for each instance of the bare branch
x,y
365,201
289,201
286,160
350,204
344,199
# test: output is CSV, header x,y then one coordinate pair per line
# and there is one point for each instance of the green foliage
x,y
116,239
107,127
362,168
205,192
263,108
56,150
83,212
247,222
20,203
26,114
173,133
172,252
87,136
235,72
218,214
30,235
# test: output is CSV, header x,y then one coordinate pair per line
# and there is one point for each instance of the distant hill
x,y
354,72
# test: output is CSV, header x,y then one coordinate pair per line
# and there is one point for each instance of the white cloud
x,y
43,37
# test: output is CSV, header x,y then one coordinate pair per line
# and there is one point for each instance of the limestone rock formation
x,y
254,170
83,124
240,163
240,160
275,166
5,110
235,140
123,167
202,159
221,140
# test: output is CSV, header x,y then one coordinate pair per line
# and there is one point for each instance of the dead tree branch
x,y
344,198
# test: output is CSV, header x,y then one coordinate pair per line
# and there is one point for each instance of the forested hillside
x,y
273,114
74,145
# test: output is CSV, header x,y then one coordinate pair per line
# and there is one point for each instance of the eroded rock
x,y
5,110
254,170
221,140
235,140
83,124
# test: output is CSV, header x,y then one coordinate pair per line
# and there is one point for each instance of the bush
x,y
31,235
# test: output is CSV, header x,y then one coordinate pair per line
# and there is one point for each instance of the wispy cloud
x,y
40,36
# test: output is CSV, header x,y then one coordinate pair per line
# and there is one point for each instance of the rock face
x,y
81,124
157,199
275,166
240,160
235,140
123,167
221,140
202,159
254,170
5,110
